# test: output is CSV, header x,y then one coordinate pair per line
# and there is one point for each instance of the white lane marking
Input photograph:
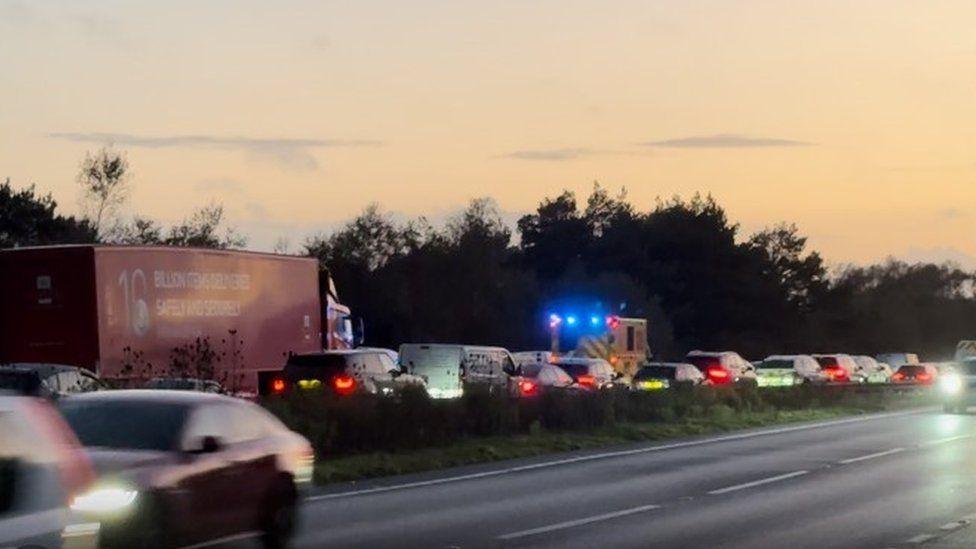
x,y
759,482
948,527
920,539
605,455
578,522
871,456
224,540
943,440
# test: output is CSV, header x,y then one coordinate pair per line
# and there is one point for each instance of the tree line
x,y
682,265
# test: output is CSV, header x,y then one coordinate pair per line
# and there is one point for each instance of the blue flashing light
x,y
571,320
595,320
554,320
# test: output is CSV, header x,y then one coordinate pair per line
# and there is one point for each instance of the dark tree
x,y
29,219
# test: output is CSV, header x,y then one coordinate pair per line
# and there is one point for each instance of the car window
x,y
386,362
88,383
126,424
776,364
631,338
656,372
70,382
27,383
205,421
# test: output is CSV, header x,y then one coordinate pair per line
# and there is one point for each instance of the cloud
x,y
941,254
219,185
294,154
725,141
552,155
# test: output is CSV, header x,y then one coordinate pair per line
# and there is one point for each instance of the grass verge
x,y
540,442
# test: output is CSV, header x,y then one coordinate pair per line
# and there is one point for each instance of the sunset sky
x,y
855,119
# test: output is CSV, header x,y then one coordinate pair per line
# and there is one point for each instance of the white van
x,y
447,368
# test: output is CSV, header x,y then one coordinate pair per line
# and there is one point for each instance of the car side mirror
x,y
208,445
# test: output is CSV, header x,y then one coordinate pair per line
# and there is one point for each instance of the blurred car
x,y
343,372
588,373
789,370
535,379
915,374
722,367
185,384
840,368
446,369
664,375
896,360
42,467
874,371
48,380
957,387
180,468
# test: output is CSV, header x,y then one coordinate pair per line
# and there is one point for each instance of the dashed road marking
x,y
870,456
578,522
920,539
759,482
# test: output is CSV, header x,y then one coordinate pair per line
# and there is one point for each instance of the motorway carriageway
x,y
875,481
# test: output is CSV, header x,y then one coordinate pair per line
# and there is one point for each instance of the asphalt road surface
x,y
890,480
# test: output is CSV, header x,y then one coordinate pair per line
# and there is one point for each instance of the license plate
x,y
309,383
652,385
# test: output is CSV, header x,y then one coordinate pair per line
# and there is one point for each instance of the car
x,y
183,468
875,372
840,368
588,373
789,370
664,375
915,374
722,367
42,466
536,379
447,368
185,384
957,387
48,380
895,360
343,373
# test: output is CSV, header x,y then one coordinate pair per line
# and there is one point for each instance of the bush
x,y
410,420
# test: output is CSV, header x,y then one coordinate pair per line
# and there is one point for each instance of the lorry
x,y
132,313
621,341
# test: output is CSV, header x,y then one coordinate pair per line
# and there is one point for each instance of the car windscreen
x,y
703,362
776,364
25,383
321,367
126,424
656,372
911,370
531,370
827,361
575,370
175,384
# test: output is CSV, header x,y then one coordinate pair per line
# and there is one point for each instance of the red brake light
x,y
278,386
527,387
898,376
586,380
344,384
835,372
718,374
924,377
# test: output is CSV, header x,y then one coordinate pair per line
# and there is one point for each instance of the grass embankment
x,y
369,437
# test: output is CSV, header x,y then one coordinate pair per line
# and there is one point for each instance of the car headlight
x,y
105,500
950,384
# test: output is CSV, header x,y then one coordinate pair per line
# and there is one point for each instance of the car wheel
x,y
280,516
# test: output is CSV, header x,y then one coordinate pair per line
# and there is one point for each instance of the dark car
x,y
915,374
664,375
588,373
48,380
181,468
535,379
343,372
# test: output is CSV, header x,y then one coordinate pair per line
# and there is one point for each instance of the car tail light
x,y
923,377
835,373
278,386
718,375
898,376
587,380
528,388
343,384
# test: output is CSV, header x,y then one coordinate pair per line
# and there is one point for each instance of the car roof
x,y
341,352
189,398
456,346
42,369
666,365
581,360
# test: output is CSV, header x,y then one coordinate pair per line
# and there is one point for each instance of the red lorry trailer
x,y
130,313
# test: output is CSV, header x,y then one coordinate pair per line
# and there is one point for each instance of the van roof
x,y
452,346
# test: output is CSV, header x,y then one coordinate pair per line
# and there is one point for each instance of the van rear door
x,y
439,367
